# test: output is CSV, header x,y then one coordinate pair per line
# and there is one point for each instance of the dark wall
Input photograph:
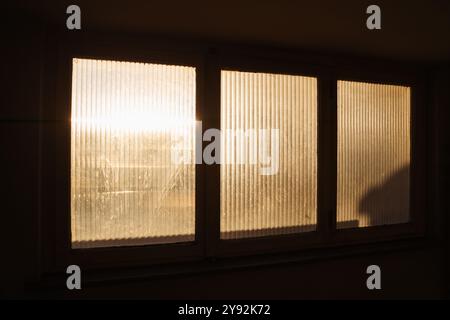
x,y
410,274
20,125
416,272
442,96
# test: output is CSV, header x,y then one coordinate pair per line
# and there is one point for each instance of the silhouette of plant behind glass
x,y
388,203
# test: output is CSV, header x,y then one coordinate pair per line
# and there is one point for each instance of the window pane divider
x,y
327,150
56,160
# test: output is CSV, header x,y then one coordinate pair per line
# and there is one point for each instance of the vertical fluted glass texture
x,y
268,194
373,154
127,119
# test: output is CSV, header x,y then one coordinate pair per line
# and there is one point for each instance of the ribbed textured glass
x,y
127,120
281,198
373,154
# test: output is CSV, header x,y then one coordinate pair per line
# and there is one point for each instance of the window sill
x,y
112,276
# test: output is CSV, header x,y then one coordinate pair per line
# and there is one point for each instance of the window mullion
x,y
211,119
326,153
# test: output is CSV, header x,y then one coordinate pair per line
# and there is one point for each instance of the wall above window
x,y
410,30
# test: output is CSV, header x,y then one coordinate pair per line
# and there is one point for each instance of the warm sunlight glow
x,y
373,154
126,120
137,122
284,201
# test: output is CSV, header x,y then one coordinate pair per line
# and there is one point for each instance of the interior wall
x,y
442,140
413,273
410,274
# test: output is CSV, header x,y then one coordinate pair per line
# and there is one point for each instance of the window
x,y
310,157
127,119
373,154
269,147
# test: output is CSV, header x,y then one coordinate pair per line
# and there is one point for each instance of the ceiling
x,y
411,30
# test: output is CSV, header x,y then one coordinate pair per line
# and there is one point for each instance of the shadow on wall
x,y
389,202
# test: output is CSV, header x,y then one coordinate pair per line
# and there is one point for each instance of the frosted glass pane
x,y
127,118
373,154
263,196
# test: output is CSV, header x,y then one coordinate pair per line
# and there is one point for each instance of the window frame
x,y
209,60
417,199
56,211
327,74
217,247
